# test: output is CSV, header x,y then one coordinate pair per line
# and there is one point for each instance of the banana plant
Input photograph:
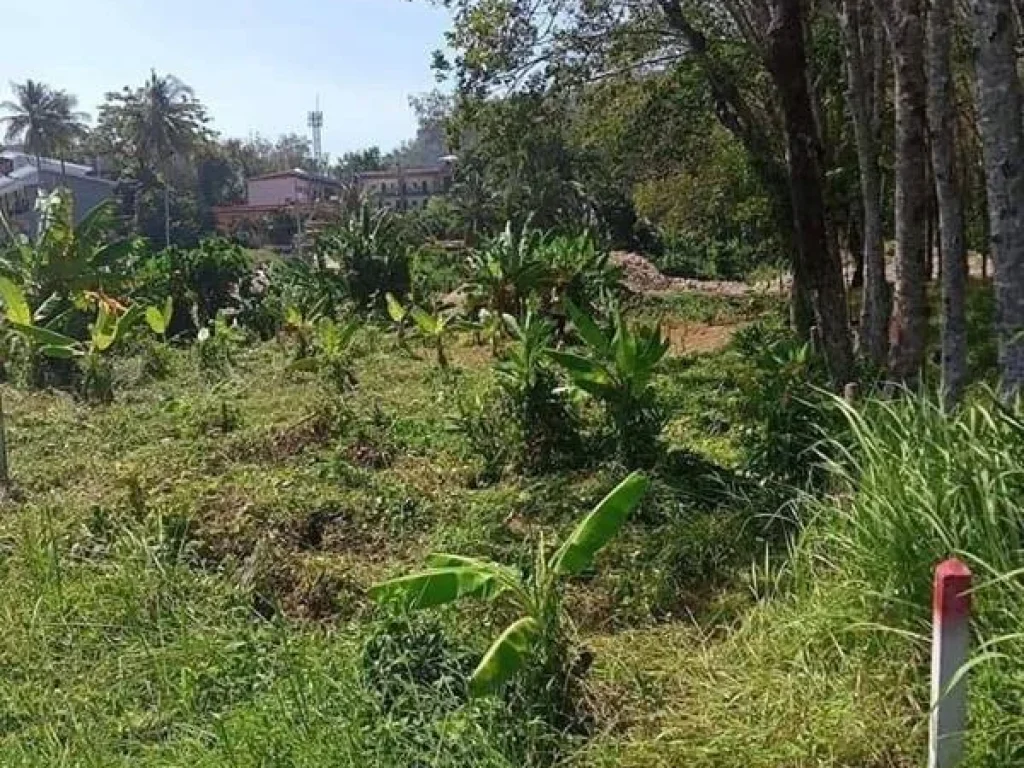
x,y
112,323
333,351
301,324
399,316
434,328
540,631
159,318
617,369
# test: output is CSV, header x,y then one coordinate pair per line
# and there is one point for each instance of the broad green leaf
x,y
587,328
51,350
600,526
437,586
505,657
625,348
445,560
395,309
15,302
426,323
168,312
104,329
127,320
155,320
578,365
293,317
44,336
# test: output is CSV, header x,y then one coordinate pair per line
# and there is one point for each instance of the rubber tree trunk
x,y
816,262
167,215
942,130
757,138
859,43
1000,125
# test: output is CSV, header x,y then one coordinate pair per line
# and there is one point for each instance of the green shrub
x,y
617,368
205,279
547,426
783,410
685,255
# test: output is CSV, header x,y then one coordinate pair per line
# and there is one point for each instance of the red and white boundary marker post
x,y
951,637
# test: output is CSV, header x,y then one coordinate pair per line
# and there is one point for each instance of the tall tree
x,y
999,115
859,34
43,119
904,22
942,136
818,262
156,124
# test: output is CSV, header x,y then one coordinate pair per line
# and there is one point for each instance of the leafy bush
x,y
433,271
782,405
548,430
216,346
506,271
685,255
617,369
369,253
206,279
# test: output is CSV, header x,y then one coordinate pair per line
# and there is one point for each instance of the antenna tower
x,y
316,127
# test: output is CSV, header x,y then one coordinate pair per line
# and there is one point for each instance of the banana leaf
x,y
438,586
505,657
599,527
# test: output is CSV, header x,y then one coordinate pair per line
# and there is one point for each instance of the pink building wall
x,y
278,191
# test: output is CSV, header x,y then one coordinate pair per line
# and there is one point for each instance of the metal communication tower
x,y
316,126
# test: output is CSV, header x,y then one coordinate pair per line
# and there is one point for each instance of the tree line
x,y
821,128
157,139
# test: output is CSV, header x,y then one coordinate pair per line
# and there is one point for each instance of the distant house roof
x,y
25,173
300,173
24,160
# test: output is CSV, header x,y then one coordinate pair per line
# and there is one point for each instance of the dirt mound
x,y
640,275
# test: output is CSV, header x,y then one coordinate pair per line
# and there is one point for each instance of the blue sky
x,y
258,65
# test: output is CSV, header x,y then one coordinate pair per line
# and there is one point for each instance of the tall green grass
x,y
915,484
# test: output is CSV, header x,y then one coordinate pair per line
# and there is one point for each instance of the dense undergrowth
x,y
202,510
184,576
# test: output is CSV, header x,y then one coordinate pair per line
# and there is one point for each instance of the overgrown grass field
x,y
184,572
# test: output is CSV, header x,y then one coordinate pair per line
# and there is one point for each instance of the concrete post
x,y
951,635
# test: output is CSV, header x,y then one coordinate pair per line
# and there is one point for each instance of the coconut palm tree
x,y
69,129
160,122
43,120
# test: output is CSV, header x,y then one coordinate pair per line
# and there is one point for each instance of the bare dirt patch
x,y
688,338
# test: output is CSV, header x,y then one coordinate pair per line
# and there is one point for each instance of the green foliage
x,y
159,318
617,369
582,272
433,271
331,351
205,279
507,270
547,426
67,260
370,255
434,329
782,405
541,632
112,324
217,346
686,255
